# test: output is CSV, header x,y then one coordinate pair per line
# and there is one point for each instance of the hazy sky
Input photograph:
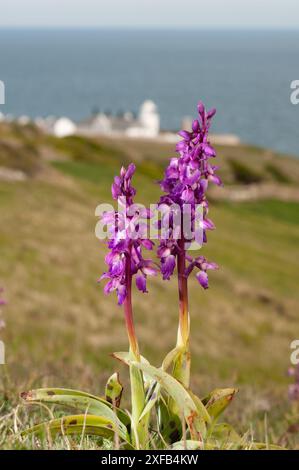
x,y
170,13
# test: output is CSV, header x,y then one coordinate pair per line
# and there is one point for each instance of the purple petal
x,y
195,125
141,283
149,270
109,287
216,180
186,135
121,294
180,146
189,269
204,185
104,276
115,190
187,195
148,244
192,177
130,171
209,150
201,109
211,113
205,265
203,279
208,224
117,268
168,267
212,266
163,251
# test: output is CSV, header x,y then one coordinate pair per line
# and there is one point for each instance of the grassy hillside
x,y
61,328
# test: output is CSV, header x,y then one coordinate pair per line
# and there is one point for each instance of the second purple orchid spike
x,y
185,184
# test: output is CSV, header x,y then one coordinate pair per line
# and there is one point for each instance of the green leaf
x,y
75,424
139,383
196,419
170,358
126,358
169,424
154,390
182,365
113,391
218,400
150,399
79,400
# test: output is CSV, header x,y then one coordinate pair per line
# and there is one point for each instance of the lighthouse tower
x,y
149,118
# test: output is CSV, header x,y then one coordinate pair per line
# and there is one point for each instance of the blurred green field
x,y
61,328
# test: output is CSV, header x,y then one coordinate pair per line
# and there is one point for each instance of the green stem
x,y
136,377
183,363
129,313
184,320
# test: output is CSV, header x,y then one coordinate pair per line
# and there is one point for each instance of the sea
x,y
246,75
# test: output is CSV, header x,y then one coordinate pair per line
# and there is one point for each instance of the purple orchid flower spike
x,y
125,258
125,248
186,181
185,185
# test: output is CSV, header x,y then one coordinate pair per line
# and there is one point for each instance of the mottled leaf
x,y
75,424
79,400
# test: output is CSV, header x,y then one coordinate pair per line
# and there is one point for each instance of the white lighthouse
x,y
149,118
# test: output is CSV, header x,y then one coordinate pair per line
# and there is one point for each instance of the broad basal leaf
x,y
75,424
78,400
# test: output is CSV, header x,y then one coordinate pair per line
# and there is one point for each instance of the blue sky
x,y
151,13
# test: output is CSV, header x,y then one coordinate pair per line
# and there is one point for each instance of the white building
x,y
64,127
97,124
149,118
148,122
145,125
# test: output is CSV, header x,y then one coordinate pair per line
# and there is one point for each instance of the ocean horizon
x,y
245,74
